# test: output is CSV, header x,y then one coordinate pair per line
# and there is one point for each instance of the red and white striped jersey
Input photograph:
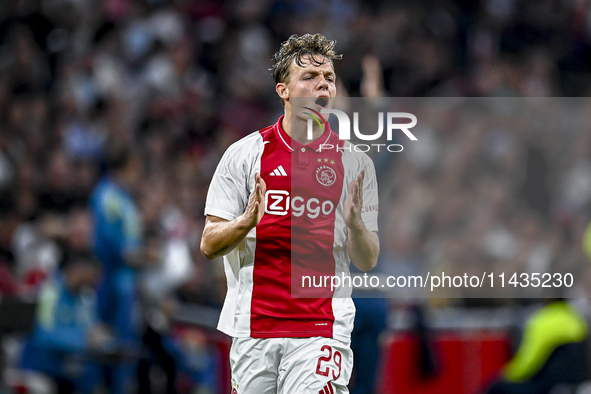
x,y
306,189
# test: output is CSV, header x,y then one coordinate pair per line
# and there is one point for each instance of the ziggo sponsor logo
x,y
278,202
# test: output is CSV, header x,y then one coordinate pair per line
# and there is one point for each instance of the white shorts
x,y
290,366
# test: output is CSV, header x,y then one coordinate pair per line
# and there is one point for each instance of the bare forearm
x,y
221,237
363,247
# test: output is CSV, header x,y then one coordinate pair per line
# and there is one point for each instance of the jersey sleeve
x,y
228,192
369,211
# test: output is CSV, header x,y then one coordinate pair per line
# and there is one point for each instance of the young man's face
x,y
313,80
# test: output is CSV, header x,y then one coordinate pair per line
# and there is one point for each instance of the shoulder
x,y
251,141
51,288
108,198
246,146
106,186
100,187
245,151
49,295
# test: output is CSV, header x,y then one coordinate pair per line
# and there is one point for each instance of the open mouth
x,y
321,101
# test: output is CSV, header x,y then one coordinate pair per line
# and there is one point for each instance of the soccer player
x,y
276,197
67,329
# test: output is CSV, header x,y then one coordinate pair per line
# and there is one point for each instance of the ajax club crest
x,y
326,176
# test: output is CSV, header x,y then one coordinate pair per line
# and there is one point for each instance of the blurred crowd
x,y
174,82
499,186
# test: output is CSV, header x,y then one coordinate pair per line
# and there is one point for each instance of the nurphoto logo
x,y
345,128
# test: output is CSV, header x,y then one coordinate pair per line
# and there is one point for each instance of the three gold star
x,y
325,160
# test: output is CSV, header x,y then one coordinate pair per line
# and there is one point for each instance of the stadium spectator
x,y
68,330
118,245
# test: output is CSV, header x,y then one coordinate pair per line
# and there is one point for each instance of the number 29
x,y
336,356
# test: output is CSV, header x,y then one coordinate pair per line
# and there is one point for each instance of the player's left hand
x,y
354,202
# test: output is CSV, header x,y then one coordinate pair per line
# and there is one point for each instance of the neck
x,y
297,128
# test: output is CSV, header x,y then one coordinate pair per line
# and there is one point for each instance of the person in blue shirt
x,y
118,245
67,329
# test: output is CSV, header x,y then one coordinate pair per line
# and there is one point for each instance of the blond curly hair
x,y
296,47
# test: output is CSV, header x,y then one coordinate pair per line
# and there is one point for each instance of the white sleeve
x,y
369,211
228,192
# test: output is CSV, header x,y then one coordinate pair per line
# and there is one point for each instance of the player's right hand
x,y
256,205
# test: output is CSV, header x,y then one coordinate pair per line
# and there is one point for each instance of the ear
x,y
282,90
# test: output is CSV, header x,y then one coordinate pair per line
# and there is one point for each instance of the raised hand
x,y
220,236
354,203
256,205
372,82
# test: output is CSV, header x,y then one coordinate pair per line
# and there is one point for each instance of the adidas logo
x,y
279,171
327,389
